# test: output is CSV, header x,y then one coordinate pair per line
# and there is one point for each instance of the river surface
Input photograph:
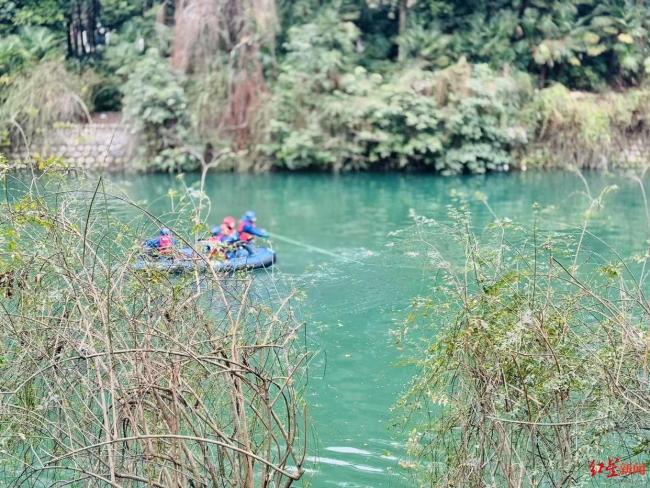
x,y
355,297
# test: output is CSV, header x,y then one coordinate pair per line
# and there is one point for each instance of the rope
x,y
312,248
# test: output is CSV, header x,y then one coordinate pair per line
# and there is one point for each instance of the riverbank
x,y
450,88
553,128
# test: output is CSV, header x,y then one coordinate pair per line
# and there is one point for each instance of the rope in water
x,y
320,250
312,248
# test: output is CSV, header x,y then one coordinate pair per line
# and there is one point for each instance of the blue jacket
x,y
231,239
249,229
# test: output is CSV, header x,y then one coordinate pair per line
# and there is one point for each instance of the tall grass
x,y
40,97
532,354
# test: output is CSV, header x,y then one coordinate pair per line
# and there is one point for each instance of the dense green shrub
x,y
581,44
331,113
156,106
481,122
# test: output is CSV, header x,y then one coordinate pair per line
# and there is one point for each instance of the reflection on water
x,y
353,302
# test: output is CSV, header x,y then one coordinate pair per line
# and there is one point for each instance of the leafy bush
x,y
583,45
156,106
333,114
481,123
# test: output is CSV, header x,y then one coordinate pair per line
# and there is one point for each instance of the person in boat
x,y
223,239
164,243
248,231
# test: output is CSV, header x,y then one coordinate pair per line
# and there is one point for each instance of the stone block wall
x,y
92,146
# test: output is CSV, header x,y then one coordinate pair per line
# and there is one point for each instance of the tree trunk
x,y
403,12
69,37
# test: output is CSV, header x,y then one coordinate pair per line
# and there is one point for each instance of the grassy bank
x,y
588,130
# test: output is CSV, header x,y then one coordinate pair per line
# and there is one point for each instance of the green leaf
x,y
597,50
542,54
625,38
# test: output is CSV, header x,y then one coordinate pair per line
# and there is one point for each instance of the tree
x,y
227,35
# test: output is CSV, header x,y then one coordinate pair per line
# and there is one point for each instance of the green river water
x,y
351,306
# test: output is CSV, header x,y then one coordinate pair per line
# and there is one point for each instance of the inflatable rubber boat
x,y
185,260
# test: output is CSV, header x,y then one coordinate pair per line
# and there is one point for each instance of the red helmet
x,y
229,222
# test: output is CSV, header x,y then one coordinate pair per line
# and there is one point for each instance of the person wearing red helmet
x,y
163,244
247,227
248,231
227,231
223,238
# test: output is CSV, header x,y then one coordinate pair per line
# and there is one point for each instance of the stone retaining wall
x,y
92,146
636,154
104,144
